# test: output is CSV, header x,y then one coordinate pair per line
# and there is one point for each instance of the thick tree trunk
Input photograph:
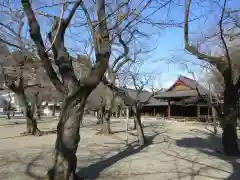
x,y
230,140
229,124
65,161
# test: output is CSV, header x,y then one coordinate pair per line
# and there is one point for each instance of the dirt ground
x,y
175,151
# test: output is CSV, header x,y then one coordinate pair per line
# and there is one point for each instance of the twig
x,y
58,28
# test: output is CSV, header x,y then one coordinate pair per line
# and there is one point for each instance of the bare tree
x,y
76,91
18,72
225,66
125,36
134,102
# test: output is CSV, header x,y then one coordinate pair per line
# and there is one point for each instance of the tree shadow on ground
x,y
93,171
16,123
44,133
211,146
32,164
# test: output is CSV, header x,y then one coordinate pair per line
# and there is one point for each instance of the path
x,y
178,151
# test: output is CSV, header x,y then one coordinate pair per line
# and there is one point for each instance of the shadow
x,y
211,146
44,133
209,133
54,131
23,121
93,171
153,125
120,131
11,137
32,168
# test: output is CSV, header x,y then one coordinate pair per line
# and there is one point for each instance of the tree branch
x,y
72,12
217,61
228,78
116,63
124,54
90,25
35,34
103,53
10,44
9,28
120,92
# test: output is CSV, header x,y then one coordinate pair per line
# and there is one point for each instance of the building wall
x,y
176,110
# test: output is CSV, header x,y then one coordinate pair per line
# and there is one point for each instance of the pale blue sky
x,y
169,40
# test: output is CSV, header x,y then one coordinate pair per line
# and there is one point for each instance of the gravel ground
x,y
176,151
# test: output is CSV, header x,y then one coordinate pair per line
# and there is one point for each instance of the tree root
x,y
37,132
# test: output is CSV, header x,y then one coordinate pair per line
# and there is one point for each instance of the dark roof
x,y
144,96
94,99
157,102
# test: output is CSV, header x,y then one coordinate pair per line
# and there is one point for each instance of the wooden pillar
x,y
154,112
169,109
198,112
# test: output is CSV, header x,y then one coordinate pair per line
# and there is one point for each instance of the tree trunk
x,y
214,116
8,110
54,110
8,115
141,137
109,95
9,106
38,112
229,124
105,128
134,122
100,116
137,119
37,107
65,161
31,122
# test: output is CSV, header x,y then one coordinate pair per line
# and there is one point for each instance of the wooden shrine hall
x,y
185,98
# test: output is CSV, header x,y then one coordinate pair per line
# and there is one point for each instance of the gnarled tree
x,y
18,71
76,91
225,66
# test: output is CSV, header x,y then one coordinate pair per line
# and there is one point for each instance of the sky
x,y
169,41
